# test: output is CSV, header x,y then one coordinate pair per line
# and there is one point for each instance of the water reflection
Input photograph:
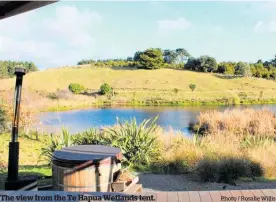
x,y
177,118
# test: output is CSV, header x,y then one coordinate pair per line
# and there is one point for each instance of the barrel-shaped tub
x,y
85,168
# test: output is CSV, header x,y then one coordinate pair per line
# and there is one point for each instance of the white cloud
x,y
166,26
269,26
73,25
62,39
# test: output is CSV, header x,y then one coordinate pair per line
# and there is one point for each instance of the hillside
x,y
141,87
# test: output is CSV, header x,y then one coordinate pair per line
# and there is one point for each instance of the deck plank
x,y
225,194
267,192
183,197
236,193
247,193
215,195
173,196
147,196
187,196
205,196
273,190
257,192
162,196
194,196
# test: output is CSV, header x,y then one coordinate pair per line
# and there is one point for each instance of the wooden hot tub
x,y
85,168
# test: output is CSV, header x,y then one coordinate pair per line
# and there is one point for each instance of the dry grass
x,y
161,79
136,86
242,122
233,140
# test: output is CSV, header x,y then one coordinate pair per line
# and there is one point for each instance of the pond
x,y
177,118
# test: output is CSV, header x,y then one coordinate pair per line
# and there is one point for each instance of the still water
x,y
176,118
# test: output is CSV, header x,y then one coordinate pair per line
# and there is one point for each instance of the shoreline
x,y
161,104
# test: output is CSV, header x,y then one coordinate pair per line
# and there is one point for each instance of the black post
x,y
15,182
14,144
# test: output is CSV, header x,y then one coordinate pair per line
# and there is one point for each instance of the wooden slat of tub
x,y
194,196
215,195
61,177
205,196
86,180
71,179
183,197
57,179
66,178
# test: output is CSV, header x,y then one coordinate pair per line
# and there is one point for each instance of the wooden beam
x,y
11,8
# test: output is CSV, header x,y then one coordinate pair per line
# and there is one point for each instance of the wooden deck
x,y
187,196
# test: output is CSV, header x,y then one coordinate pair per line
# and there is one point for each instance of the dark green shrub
x,y
180,166
227,170
176,90
207,170
231,169
192,86
256,169
76,88
105,89
174,167
198,128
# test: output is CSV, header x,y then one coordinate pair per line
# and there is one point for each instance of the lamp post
x,y
14,182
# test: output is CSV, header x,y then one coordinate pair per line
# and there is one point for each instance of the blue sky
x,y
65,32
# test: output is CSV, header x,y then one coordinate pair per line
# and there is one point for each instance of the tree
x,y
192,64
208,64
192,87
257,69
170,56
129,59
182,55
151,59
273,61
226,68
242,69
7,67
259,61
178,56
3,71
273,75
137,56
202,64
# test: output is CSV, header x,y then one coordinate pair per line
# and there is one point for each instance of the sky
x,y
66,32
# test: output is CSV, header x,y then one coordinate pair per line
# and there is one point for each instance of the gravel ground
x,y
158,182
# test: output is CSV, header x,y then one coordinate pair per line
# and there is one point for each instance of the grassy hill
x,y
140,87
